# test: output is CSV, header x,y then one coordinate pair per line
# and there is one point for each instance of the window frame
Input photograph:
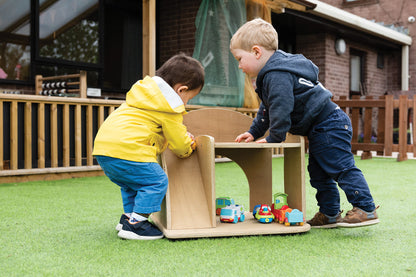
x,y
37,60
362,58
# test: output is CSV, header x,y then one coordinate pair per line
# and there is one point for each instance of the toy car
x,y
222,202
256,208
295,217
232,213
264,214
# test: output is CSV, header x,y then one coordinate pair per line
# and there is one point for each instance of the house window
x,y
380,60
357,85
14,42
56,37
68,30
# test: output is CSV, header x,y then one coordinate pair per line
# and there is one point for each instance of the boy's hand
x,y
193,145
247,137
191,136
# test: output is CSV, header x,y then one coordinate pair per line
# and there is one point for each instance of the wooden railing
x,y
47,137
43,137
385,108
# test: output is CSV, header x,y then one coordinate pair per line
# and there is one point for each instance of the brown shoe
x,y
321,220
358,217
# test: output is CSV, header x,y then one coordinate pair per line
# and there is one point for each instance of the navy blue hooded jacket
x,y
292,99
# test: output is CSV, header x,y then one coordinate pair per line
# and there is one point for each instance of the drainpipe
x,y
405,67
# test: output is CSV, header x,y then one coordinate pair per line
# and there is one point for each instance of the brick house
x,y
377,59
116,42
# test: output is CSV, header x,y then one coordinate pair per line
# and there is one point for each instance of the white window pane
x,y
355,73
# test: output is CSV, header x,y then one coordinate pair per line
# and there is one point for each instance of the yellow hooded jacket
x,y
142,127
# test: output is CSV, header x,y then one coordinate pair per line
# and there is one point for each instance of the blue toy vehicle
x,y
256,208
295,217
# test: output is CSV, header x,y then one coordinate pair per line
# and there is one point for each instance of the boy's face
x,y
248,62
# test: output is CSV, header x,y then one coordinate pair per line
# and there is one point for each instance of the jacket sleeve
x,y
176,135
279,98
261,123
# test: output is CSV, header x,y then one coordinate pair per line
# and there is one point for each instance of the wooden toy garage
x,y
188,210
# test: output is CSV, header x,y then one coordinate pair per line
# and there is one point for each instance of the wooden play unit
x,y
188,210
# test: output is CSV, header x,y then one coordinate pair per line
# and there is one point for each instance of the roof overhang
x,y
342,17
337,15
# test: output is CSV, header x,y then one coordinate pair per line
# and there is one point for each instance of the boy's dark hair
x,y
184,70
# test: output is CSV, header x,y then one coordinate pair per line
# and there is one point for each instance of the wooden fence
x,y
48,137
389,113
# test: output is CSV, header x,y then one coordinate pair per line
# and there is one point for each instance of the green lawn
x,y
66,228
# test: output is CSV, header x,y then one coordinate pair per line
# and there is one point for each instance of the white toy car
x,y
232,213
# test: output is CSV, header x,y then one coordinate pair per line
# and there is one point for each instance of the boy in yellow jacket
x,y
130,139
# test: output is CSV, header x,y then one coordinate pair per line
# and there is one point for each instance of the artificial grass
x,y
66,228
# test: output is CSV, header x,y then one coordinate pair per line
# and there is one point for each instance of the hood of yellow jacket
x,y
154,94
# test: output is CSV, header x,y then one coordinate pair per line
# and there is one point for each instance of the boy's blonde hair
x,y
255,32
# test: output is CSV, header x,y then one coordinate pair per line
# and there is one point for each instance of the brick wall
x,y
389,12
176,28
334,69
176,33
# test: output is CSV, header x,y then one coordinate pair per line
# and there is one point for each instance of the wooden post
x,y
28,135
402,128
66,134
388,135
381,125
13,135
149,37
41,135
355,120
54,134
368,116
38,84
89,139
83,84
78,136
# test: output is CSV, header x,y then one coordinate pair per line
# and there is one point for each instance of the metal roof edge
x,y
359,23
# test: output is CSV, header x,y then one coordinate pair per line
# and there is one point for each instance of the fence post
x,y
402,128
388,135
381,124
38,84
83,84
355,121
368,126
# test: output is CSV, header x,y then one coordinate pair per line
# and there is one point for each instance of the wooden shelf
x,y
249,227
188,210
255,145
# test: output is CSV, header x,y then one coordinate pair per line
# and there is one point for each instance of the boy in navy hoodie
x,y
293,100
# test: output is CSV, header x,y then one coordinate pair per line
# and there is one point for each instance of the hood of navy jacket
x,y
293,63
292,97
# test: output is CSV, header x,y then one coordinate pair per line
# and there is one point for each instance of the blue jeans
x,y
143,185
331,162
